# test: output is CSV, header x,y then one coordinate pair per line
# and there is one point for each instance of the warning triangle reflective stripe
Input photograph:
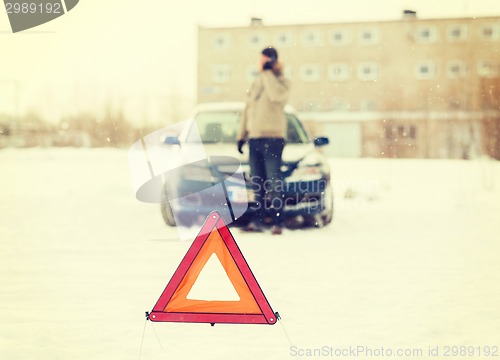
x,y
176,305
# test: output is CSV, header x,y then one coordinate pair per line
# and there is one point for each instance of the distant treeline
x,y
81,130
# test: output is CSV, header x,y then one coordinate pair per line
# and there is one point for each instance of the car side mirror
x,y
171,140
321,141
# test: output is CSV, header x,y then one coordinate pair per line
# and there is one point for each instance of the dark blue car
x,y
219,179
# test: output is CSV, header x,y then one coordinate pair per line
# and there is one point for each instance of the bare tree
x,y
490,104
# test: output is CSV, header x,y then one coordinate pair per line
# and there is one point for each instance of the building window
x,y
340,37
457,33
455,104
388,131
456,69
341,105
400,132
488,68
251,73
368,71
425,70
369,36
311,105
221,41
257,40
283,39
407,131
427,34
491,32
309,72
367,105
221,73
338,72
311,38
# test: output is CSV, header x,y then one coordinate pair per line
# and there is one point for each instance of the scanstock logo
x,y
26,14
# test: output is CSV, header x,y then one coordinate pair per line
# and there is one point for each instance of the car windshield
x,y
222,126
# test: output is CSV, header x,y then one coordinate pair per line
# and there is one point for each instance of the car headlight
x,y
309,169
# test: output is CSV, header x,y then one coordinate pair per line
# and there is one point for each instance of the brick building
x,y
405,88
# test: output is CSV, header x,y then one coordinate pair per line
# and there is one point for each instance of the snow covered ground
x,y
411,261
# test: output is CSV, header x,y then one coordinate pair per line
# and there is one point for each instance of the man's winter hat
x,y
271,53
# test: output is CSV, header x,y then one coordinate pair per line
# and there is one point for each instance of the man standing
x,y
264,126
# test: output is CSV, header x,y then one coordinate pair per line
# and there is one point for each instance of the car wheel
x,y
327,214
325,217
166,209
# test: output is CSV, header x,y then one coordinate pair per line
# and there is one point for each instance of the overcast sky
x,y
137,54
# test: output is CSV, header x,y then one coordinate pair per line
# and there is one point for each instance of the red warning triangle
x,y
174,304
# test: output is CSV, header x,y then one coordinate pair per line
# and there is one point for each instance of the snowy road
x,y
412,261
